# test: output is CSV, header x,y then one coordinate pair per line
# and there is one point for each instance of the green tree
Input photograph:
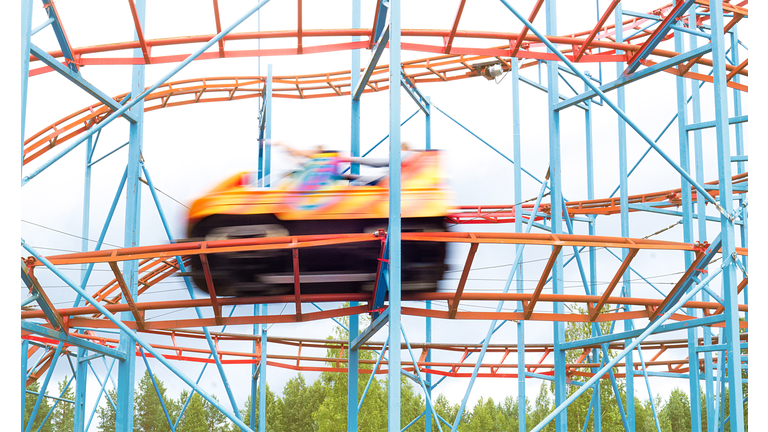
x,y
542,407
63,417
148,412
274,408
42,411
444,409
195,417
299,402
107,414
677,411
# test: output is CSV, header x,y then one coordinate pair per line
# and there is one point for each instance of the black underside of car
x,y
341,268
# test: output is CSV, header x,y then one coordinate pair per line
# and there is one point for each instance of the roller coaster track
x,y
457,63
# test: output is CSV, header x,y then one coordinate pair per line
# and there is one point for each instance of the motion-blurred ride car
x,y
315,199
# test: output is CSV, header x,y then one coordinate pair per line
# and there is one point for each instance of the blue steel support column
x,y
24,358
558,328
268,129
730,295
82,367
263,369
687,208
428,377
254,370
353,366
701,211
740,166
393,233
623,199
354,143
126,370
518,180
428,125
352,373
592,254
26,35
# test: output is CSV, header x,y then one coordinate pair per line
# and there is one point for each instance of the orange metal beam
x,y
524,32
595,310
449,39
137,24
211,289
595,30
542,280
137,315
454,305
688,274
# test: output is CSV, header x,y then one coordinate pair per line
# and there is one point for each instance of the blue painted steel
x,y
26,35
55,404
37,294
430,407
45,24
492,327
103,234
381,20
592,251
415,94
370,380
641,15
518,185
24,359
78,80
44,387
355,103
378,50
37,363
393,232
428,338
108,154
211,344
267,170
157,390
199,377
414,421
558,328
263,374
689,31
103,386
709,254
126,369
622,81
621,113
646,332
727,233
540,87
710,124
30,299
428,125
141,96
599,340
648,385
652,209
352,373
334,319
61,36
658,36
254,374
383,139
71,340
138,339
486,143
382,284
374,327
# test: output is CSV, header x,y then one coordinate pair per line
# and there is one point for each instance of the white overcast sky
x,y
190,149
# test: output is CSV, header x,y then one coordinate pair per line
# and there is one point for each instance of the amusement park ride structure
x,y
709,300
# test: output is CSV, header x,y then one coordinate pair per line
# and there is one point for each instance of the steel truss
x,y
713,357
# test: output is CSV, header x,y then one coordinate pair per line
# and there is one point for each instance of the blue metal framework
x,y
701,275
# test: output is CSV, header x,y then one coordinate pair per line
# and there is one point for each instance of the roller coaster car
x,y
316,199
